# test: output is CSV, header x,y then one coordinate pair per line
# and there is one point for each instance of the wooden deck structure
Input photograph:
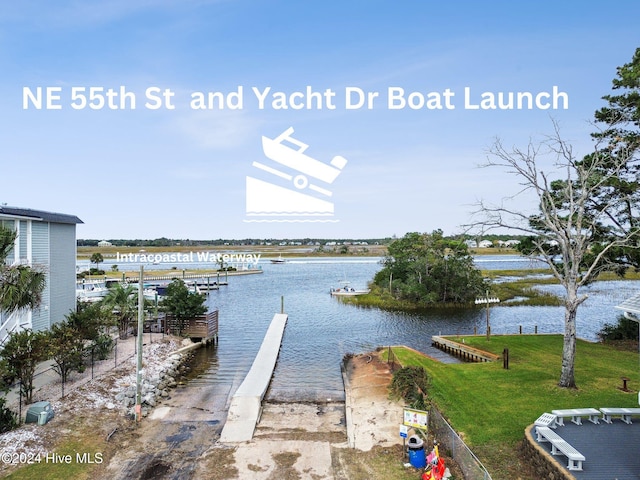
x,y
202,327
465,352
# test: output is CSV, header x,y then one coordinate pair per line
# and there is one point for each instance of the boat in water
x,y
91,291
278,260
346,290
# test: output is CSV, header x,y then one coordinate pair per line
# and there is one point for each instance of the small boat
x,y
91,291
346,290
149,291
278,260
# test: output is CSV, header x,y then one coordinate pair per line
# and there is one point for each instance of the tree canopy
x,y
429,269
181,303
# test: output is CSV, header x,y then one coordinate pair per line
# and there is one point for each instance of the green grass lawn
x,y
74,459
491,406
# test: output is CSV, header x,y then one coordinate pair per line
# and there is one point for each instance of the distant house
x,y
485,244
104,243
508,243
45,240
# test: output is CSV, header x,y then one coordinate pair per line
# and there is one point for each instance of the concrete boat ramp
x,y
246,403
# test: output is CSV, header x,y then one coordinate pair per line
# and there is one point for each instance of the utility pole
x,y
139,342
487,300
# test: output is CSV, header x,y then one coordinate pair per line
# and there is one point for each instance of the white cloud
x,y
219,129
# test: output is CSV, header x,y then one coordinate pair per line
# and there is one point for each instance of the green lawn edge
x,y
490,406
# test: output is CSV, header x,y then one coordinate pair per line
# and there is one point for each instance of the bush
x,y
8,418
411,385
24,350
102,346
625,329
182,304
7,377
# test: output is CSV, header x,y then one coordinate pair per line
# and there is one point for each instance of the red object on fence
x,y
436,467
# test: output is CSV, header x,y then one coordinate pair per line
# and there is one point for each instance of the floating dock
x,y
246,403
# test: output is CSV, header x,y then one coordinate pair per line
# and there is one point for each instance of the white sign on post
x,y
404,431
416,418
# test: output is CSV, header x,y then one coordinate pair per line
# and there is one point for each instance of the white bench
x,y
625,414
546,420
576,415
575,458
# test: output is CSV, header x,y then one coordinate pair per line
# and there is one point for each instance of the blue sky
x,y
180,172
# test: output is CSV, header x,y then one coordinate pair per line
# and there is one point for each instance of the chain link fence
x,y
458,450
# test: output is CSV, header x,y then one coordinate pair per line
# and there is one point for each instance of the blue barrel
x,y
417,456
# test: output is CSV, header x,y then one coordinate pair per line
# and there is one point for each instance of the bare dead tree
x,y
577,231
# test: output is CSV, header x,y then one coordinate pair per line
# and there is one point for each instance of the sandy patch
x,y
284,460
374,418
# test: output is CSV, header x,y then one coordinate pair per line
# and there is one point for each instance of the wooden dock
x,y
465,352
203,327
192,276
220,277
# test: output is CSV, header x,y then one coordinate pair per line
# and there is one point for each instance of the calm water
x,y
321,329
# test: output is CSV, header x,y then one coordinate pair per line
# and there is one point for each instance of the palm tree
x,y
97,258
21,286
123,302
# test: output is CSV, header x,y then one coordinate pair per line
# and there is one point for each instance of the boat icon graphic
x,y
297,169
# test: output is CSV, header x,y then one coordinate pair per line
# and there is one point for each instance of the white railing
x,y
9,324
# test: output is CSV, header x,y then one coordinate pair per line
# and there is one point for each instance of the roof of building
x,y
41,215
631,305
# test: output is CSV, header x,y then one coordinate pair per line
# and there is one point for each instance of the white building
x,y
45,240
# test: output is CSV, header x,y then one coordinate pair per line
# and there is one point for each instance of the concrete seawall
x,y
246,403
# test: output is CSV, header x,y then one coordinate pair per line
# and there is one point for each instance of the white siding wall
x,y
62,270
41,259
23,240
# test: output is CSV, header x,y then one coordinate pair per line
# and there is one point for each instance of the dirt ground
x,y
291,440
179,439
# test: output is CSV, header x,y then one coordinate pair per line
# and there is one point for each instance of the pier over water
x,y
246,403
